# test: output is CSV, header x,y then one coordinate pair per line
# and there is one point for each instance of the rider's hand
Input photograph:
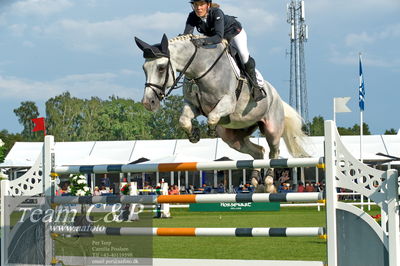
x,y
199,42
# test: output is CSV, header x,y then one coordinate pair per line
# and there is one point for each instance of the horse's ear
x,y
164,45
149,51
141,44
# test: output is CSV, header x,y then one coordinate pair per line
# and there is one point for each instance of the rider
x,y
212,22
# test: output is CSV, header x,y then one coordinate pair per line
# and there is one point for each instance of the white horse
x,y
216,95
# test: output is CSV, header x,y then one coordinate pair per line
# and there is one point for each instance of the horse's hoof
x,y
254,182
194,137
212,131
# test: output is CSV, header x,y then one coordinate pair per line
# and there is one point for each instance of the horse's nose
x,y
146,104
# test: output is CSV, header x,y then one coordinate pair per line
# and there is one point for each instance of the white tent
x,y
23,154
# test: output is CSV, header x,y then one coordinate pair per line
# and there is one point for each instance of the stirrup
x,y
258,93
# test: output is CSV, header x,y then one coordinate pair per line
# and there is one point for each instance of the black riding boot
x,y
257,92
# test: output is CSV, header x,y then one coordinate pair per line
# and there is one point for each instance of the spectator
x,y
104,190
173,190
301,187
284,177
96,191
64,188
309,187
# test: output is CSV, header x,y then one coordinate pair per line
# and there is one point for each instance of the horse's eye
x,y
161,68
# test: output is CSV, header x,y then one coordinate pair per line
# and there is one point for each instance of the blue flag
x,y
361,89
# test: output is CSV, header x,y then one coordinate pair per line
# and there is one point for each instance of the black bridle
x,y
161,91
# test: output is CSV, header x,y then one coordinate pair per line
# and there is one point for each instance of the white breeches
x,y
240,43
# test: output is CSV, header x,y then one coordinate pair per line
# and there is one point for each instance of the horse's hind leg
x,y
189,112
273,133
238,139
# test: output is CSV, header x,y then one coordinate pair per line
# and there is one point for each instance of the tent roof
x,y
24,154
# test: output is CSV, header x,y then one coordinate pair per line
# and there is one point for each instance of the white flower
x,y
81,181
75,178
82,177
86,188
80,192
1,143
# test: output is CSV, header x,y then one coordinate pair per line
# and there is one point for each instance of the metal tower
x,y
298,36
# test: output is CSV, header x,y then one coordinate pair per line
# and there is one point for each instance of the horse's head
x,y
159,71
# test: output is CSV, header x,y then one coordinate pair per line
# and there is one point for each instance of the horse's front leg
x,y
225,107
190,112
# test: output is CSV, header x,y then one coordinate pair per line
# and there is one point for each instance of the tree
x,y
355,130
123,119
64,117
391,131
9,140
317,126
25,113
165,121
2,151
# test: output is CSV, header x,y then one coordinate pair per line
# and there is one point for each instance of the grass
x,y
256,248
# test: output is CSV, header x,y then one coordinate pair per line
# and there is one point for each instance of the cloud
x,y
351,58
355,7
358,39
101,36
102,85
354,39
39,7
256,20
18,29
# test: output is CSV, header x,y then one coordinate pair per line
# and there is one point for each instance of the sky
x,y
87,48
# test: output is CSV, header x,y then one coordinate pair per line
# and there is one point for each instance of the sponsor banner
x,y
238,206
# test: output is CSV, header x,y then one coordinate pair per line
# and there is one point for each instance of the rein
x,y
160,90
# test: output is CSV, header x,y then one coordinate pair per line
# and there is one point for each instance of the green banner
x,y
233,207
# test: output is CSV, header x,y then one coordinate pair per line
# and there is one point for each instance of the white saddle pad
x,y
260,79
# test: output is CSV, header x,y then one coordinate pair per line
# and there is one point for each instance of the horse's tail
x,y
293,133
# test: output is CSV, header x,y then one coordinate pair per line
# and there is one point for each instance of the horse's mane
x,y
188,37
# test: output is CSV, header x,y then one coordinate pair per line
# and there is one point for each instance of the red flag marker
x,y
39,125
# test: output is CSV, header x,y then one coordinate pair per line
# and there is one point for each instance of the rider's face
x,y
201,8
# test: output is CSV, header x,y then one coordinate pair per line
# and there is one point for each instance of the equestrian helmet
x,y
207,1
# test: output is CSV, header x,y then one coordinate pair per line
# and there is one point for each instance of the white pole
x,y
334,111
230,182
187,179
361,135
179,181
172,178
157,178
244,177
215,178
201,179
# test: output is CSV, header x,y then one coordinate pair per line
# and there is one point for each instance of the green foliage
x,y
25,113
355,130
123,119
64,116
391,131
2,151
317,128
9,140
165,122
125,190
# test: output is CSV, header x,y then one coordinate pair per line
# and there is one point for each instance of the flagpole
x,y
334,111
361,97
361,135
